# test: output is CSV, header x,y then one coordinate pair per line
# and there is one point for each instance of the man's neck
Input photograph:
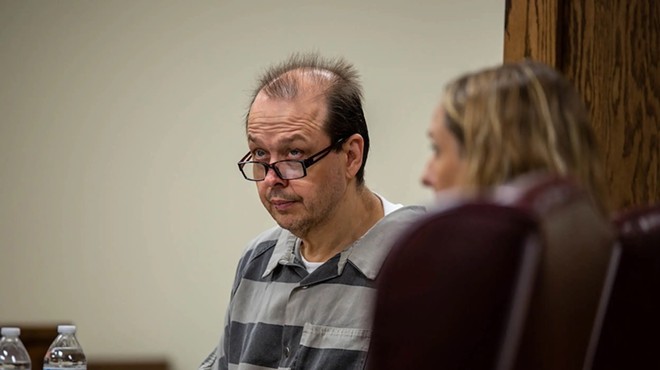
x,y
351,220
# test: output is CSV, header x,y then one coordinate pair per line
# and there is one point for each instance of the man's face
x,y
279,129
444,168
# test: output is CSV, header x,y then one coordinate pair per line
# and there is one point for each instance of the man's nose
x,y
272,178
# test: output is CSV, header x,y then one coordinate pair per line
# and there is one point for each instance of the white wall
x,y
121,207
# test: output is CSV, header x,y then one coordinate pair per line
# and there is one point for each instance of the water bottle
x,y
13,354
65,352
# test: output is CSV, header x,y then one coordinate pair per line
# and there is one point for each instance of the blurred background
x,y
121,122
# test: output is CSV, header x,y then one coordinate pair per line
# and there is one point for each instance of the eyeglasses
x,y
288,169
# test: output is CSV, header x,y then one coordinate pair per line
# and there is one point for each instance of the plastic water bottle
x,y
65,352
13,354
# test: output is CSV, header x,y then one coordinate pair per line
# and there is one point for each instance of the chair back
x,y
445,291
632,315
577,245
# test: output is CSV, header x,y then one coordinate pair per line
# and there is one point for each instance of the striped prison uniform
x,y
282,317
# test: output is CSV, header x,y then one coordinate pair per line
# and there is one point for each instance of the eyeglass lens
x,y
287,170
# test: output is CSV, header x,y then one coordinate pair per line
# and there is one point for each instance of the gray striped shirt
x,y
282,317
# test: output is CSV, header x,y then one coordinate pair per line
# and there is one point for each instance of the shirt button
x,y
286,351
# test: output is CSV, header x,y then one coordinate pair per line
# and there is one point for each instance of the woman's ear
x,y
353,147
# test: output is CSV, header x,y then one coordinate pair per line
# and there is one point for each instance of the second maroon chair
x,y
629,335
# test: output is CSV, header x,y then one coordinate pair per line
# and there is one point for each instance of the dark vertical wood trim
x,y
532,30
609,49
611,52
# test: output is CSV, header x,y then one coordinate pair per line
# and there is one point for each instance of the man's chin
x,y
287,223
284,221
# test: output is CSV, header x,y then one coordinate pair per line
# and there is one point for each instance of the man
x,y
304,290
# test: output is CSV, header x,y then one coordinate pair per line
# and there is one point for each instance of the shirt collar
x,y
366,254
284,252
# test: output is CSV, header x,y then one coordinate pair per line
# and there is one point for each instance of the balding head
x,y
309,76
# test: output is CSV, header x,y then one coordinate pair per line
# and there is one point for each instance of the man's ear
x,y
353,147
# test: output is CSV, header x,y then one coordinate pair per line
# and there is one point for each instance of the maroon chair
x,y
578,245
629,335
512,281
446,290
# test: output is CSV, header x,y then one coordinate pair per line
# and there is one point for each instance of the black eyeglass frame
x,y
306,163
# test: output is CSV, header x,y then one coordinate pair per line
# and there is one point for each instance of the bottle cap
x,y
10,332
66,329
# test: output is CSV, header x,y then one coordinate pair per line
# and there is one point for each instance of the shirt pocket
x,y
332,348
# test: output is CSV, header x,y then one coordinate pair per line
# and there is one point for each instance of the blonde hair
x,y
519,118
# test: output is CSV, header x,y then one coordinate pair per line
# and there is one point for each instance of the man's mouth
x,y
281,204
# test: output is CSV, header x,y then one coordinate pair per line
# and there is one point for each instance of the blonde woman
x,y
489,280
496,124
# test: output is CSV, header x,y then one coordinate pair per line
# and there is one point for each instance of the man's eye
x,y
258,153
295,152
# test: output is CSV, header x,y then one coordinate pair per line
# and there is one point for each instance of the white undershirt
x,y
310,266
387,209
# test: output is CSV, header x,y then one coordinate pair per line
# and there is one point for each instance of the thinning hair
x,y
337,81
522,117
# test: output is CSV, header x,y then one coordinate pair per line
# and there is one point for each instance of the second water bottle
x,y
65,352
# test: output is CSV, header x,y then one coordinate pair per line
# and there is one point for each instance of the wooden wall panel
x,y
532,30
610,50
612,54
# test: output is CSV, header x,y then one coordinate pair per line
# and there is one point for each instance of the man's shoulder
x,y
264,241
258,252
405,214
376,243
395,222
395,212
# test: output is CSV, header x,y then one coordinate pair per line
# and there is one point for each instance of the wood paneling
x,y
611,53
610,50
532,30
